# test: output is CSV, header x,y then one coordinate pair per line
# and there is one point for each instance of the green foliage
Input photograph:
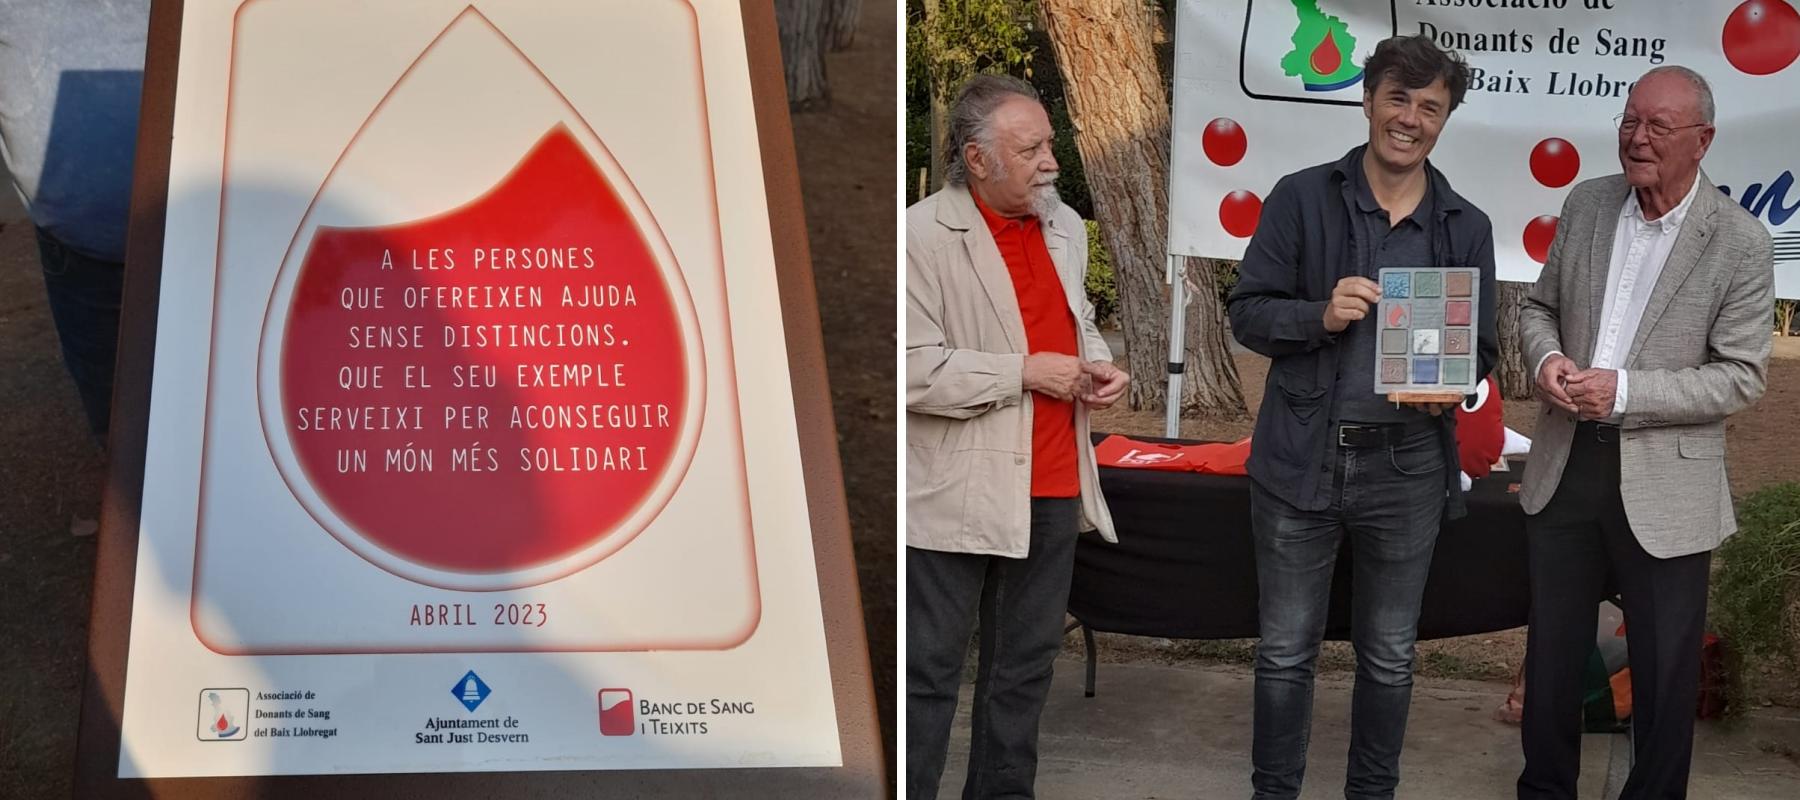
x,y
1071,180
918,152
1225,275
964,38
1757,583
1101,290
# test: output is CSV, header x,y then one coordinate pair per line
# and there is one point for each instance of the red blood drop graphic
x,y
1762,37
1224,141
1538,234
1325,58
222,724
1554,162
570,448
1238,212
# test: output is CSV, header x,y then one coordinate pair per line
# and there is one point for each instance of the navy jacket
x,y
1301,248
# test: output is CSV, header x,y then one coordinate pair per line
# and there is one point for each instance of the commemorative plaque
x,y
471,444
1425,351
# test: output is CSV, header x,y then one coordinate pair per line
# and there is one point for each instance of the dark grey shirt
x,y
1376,244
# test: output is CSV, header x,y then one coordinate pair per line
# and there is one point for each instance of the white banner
x,y
1264,88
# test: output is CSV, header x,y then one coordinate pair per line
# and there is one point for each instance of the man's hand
x,y
1350,301
1593,392
1552,380
1108,383
1053,374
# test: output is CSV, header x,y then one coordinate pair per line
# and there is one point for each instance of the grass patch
x,y
1756,589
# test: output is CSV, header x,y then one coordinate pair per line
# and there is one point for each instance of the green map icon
x,y
1323,45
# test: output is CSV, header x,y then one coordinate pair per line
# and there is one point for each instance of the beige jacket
x,y
1700,355
968,429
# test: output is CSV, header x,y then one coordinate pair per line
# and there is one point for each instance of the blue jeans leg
x,y
84,303
1392,537
1389,501
1295,552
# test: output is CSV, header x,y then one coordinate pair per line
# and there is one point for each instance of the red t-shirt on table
x,y
1049,328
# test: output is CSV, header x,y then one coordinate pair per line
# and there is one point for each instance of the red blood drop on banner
x,y
1538,234
1224,141
1239,211
222,724
1554,162
571,445
1762,37
1325,58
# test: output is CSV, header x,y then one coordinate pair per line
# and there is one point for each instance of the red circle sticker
x,y
1224,141
1554,162
1239,211
1538,235
1762,37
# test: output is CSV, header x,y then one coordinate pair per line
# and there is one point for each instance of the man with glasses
x,y
1648,326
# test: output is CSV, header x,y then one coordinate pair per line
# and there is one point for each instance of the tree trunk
x,y
803,45
940,128
1209,377
840,24
1121,114
940,117
1511,377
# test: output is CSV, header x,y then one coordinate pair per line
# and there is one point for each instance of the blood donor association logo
x,y
222,714
1323,45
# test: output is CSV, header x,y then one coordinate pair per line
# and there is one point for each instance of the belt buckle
x,y
1346,431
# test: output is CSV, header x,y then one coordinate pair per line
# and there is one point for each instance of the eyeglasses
x,y
1628,126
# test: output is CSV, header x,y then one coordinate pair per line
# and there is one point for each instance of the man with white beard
x,y
1003,363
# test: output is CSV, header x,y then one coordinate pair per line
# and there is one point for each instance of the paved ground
x,y
1180,732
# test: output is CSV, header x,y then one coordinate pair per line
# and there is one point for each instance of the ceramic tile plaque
x,y
1428,329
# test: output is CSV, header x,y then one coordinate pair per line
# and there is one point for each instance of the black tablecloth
x,y
1185,568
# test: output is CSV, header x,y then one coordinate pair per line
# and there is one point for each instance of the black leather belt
x,y
1602,432
1351,434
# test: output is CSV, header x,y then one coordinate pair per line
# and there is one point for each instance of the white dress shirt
x,y
1640,248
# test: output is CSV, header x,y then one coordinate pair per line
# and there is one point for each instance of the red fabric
x,y
1212,458
1049,328
1118,451
1480,433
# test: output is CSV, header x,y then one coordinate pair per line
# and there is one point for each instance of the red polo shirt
x,y
1049,328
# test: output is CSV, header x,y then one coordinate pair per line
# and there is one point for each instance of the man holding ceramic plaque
x,y
1332,457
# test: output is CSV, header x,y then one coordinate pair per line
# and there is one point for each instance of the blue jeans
x,y
84,303
1389,500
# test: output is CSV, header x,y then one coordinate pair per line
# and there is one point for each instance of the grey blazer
x,y
1701,354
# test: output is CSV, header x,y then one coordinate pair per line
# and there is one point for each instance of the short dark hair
x,y
1415,62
